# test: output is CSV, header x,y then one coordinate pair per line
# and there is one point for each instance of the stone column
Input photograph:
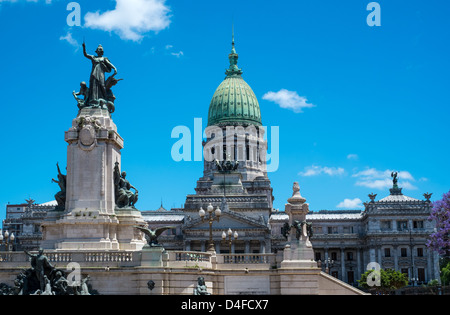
x,y
380,262
203,246
343,277
358,262
395,250
262,247
217,246
247,246
187,245
428,270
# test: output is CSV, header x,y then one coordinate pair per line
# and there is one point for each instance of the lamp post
x,y
7,239
328,264
231,235
211,216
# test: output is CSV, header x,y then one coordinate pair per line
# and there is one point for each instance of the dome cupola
x,y
234,103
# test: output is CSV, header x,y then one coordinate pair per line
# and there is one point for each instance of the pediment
x,y
228,219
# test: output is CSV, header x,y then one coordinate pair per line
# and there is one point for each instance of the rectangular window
x,y
332,230
420,252
350,256
318,256
404,252
317,229
402,225
418,224
334,256
351,277
421,274
348,229
405,271
387,252
385,225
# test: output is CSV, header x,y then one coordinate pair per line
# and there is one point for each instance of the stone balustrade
x,y
171,259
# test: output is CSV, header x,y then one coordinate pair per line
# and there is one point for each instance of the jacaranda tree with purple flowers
x,y
440,240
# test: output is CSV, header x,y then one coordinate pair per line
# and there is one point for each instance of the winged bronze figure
x,y
153,234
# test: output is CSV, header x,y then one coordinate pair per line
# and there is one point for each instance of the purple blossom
x,y
440,214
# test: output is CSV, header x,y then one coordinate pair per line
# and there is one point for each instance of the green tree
x,y
445,273
383,281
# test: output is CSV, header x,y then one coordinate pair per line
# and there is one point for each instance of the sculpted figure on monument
x,y
44,279
201,288
41,267
84,91
98,94
60,197
153,234
124,196
285,230
226,166
299,229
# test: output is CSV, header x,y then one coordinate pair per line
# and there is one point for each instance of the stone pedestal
x,y
94,147
91,220
231,182
152,256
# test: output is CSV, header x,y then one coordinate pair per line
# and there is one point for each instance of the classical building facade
x,y
391,232
24,222
235,193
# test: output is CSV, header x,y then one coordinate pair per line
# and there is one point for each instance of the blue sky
x,y
378,96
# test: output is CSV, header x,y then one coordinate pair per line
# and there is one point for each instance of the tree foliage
x,y
440,240
383,281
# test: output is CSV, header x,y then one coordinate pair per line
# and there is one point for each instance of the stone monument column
x,y
298,251
299,273
93,147
96,207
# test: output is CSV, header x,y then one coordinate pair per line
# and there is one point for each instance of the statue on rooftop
x,y
394,176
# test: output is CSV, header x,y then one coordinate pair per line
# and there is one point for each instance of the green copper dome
x,y
234,102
